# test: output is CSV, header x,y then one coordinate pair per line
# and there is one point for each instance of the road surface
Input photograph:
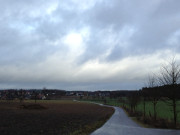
x,y
121,124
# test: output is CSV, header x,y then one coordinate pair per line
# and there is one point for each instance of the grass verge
x,y
164,113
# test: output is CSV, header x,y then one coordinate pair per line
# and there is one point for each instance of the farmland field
x,y
51,117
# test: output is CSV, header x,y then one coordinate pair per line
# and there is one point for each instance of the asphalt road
x,y
121,124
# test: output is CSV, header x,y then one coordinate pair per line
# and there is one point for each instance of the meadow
x,y
164,111
51,117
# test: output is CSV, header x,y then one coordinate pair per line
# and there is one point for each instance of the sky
x,y
86,44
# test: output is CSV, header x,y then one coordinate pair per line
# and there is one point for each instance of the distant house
x,y
44,97
70,93
80,94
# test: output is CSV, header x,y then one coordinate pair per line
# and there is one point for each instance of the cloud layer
x,y
86,45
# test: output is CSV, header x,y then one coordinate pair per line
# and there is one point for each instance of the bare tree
x,y
145,92
170,75
153,93
152,81
21,95
133,99
145,96
35,95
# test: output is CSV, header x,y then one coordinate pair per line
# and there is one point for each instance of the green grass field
x,y
163,110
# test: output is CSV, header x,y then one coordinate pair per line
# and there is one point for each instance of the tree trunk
x,y
174,112
144,107
154,106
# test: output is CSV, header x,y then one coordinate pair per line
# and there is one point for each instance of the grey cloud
x,y
152,29
116,54
28,33
72,86
18,46
95,47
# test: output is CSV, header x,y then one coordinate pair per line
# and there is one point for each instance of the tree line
x,y
164,86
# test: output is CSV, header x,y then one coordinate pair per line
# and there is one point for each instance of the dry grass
x,y
51,118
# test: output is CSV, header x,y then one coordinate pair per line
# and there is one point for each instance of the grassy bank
x,y
51,117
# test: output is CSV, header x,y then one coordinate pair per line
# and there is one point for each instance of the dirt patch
x,y
32,107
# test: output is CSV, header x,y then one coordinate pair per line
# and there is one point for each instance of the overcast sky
x,y
86,44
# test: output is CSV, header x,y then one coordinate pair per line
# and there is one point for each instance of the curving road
x,y
121,124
